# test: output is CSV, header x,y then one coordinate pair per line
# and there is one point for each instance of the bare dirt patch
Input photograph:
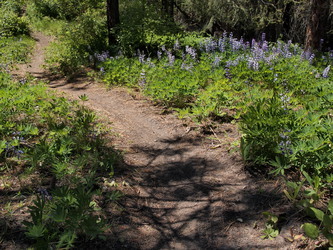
x,y
183,190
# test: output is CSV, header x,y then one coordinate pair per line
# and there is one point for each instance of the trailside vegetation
x,y
265,65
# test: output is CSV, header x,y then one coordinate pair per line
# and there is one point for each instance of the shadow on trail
x,y
181,205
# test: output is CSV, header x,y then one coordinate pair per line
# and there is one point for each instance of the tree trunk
x,y
168,7
112,7
316,26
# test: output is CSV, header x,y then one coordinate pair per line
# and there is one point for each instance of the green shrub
x,y
11,24
77,43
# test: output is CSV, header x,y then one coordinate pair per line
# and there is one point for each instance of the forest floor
x,y
186,187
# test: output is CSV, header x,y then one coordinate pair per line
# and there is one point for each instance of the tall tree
x,y
319,13
168,7
113,19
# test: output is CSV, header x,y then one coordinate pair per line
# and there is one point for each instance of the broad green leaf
x,y
329,237
311,230
2,146
36,231
316,213
330,206
327,222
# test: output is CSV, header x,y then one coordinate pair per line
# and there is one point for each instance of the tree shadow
x,y
181,205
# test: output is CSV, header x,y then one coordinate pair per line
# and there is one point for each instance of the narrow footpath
x,y
185,190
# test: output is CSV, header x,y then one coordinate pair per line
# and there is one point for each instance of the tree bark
x,y
315,30
168,7
112,7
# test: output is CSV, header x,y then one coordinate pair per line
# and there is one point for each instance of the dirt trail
x,y
184,193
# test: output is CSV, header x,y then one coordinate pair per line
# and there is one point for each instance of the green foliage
x,y
143,26
325,218
57,139
11,21
14,50
59,219
271,231
285,115
62,9
77,43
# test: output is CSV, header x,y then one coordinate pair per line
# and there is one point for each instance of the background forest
x,y
264,65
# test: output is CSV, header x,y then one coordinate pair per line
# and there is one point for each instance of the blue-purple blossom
x,y
311,58
171,58
176,45
326,71
159,55
191,51
142,81
23,81
141,56
263,37
216,61
252,63
103,56
210,45
285,101
221,45
45,194
308,56
227,73
264,46
187,67
285,143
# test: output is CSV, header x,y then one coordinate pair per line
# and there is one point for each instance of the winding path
x,y
184,193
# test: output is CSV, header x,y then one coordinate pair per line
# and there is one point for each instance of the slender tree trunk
x,y
168,7
316,26
112,7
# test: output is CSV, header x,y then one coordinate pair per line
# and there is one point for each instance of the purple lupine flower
x,y
171,58
103,56
142,81
216,61
191,51
235,45
264,46
187,67
18,153
253,64
285,101
159,55
141,56
176,46
210,45
263,37
227,73
221,45
253,43
311,58
326,71
45,194
285,143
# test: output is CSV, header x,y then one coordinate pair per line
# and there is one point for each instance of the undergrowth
x,y
279,94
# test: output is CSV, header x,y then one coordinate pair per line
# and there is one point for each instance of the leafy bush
x,y
77,43
62,9
61,142
14,50
11,24
58,220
